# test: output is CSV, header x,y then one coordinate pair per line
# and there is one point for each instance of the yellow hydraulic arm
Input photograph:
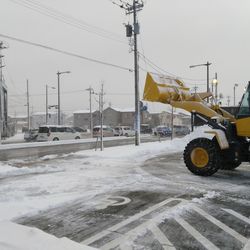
x,y
173,91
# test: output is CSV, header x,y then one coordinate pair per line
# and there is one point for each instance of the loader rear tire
x,y
232,165
201,157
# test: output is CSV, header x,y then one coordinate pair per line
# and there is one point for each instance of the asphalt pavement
x,y
182,211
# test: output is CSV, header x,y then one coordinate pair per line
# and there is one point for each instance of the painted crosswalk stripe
x,y
128,221
199,237
130,236
221,225
239,216
160,236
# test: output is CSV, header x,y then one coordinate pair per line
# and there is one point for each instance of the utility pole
x,y
46,118
228,101
47,103
1,61
133,9
3,111
58,95
28,104
101,103
235,85
216,88
207,65
195,88
91,91
172,123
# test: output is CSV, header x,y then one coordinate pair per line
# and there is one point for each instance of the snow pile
x,y
26,238
16,137
206,196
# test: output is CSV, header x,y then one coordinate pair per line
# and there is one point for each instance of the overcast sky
x,y
174,35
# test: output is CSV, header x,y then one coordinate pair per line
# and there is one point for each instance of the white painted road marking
x,y
161,237
204,241
221,225
125,240
124,201
127,221
237,215
140,230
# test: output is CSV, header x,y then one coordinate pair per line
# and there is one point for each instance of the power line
x,y
65,52
160,70
65,93
70,20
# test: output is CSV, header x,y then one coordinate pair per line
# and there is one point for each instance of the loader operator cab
x,y
243,115
244,108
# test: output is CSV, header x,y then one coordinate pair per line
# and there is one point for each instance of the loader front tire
x,y
201,157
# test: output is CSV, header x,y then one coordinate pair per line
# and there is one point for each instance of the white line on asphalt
x,y
221,225
125,200
199,237
239,216
124,239
127,221
247,246
131,235
161,237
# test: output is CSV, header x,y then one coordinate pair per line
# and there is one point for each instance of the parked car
x,y
107,131
123,131
83,131
57,133
181,130
31,135
146,129
162,131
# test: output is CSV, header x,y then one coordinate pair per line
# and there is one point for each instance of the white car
x,y
57,133
124,131
107,131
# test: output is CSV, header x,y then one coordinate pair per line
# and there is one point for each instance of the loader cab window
x,y
244,109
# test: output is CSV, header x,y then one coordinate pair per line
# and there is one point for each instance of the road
x,y
173,210
40,149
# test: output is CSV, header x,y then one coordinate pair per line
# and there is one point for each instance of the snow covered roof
x,y
124,110
43,113
18,116
87,111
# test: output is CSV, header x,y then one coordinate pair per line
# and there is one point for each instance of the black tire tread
x,y
213,164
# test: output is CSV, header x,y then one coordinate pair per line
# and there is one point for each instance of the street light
x,y
47,102
207,65
235,85
215,83
59,107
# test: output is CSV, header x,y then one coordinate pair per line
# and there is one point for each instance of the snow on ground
x,y
16,137
28,187
26,238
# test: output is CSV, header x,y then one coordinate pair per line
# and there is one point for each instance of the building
x,y
81,118
20,122
39,118
115,116
126,117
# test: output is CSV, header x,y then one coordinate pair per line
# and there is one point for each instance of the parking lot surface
x,y
179,211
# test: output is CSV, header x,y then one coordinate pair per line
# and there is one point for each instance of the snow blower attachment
x,y
229,145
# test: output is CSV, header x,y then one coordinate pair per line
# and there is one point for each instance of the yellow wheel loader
x,y
230,143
